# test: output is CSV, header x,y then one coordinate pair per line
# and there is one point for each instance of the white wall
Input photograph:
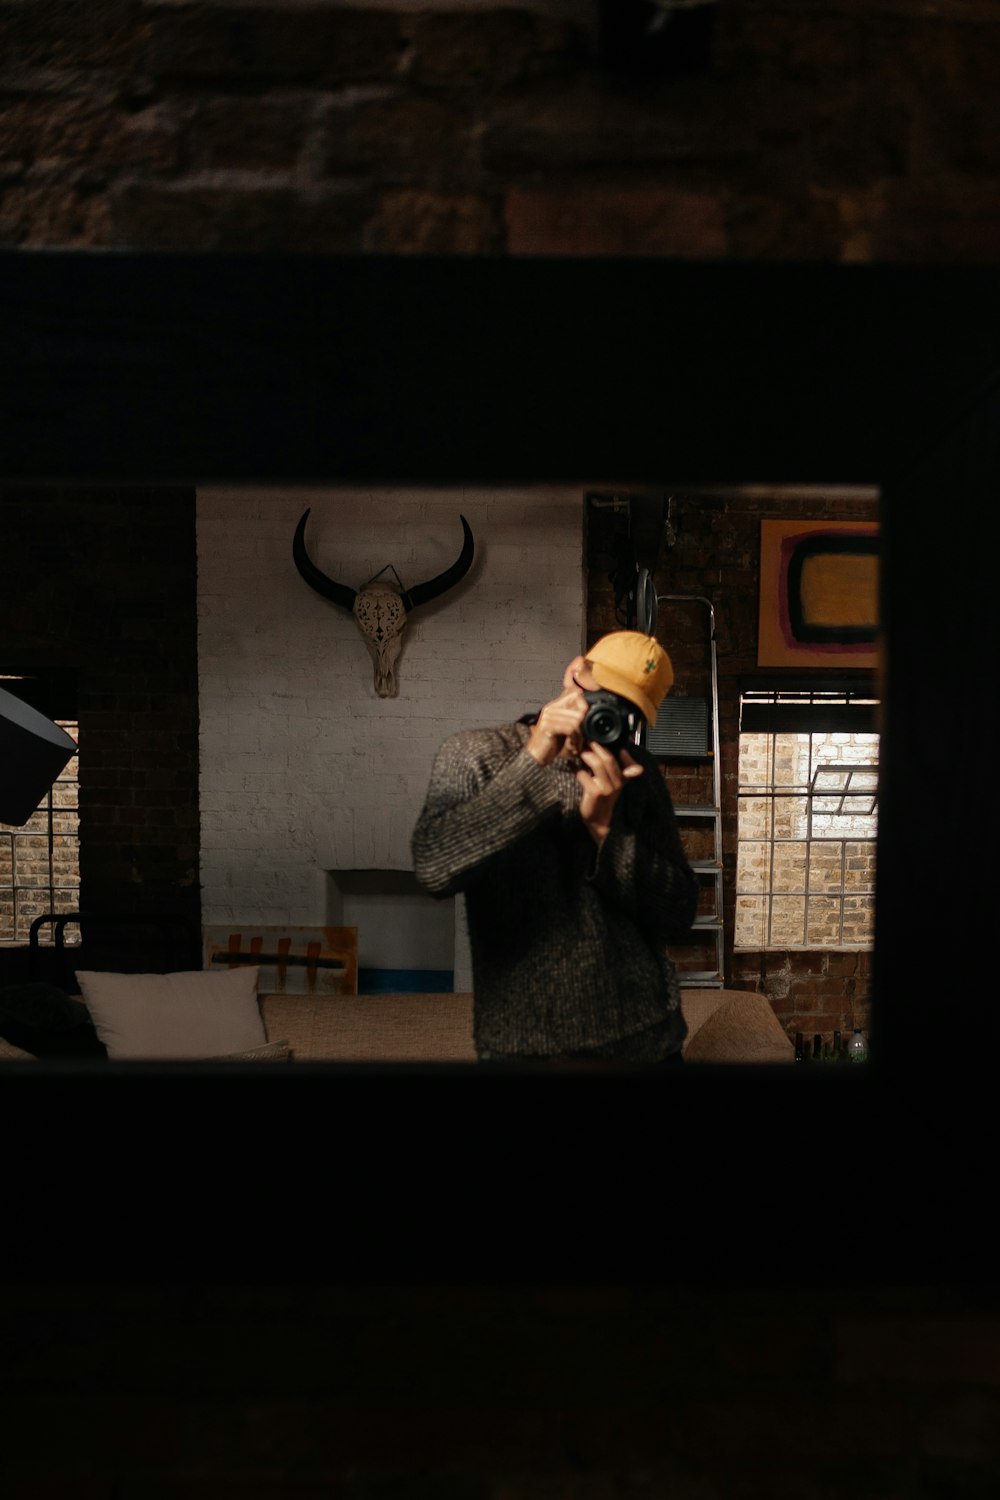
x,y
304,769
399,925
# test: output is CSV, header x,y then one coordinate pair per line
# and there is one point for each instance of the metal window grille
x,y
808,816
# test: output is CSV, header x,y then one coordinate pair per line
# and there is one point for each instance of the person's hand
x,y
601,784
558,727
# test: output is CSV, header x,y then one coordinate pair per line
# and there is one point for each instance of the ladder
x,y
687,729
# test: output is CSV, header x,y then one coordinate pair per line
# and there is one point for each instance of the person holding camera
x,y
560,832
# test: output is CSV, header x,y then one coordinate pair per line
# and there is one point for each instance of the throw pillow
x,y
744,1029
197,1013
43,1020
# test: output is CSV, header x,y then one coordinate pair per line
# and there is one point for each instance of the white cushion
x,y
196,1013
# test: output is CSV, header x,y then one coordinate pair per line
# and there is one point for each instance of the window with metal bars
x,y
808,816
40,860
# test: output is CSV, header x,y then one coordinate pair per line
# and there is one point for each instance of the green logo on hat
x,y
650,665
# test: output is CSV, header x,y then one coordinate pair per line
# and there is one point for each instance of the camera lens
x,y
603,726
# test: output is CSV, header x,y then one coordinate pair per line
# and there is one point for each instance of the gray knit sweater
x,y
567,938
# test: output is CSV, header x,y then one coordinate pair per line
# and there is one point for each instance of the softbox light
x,y
33,752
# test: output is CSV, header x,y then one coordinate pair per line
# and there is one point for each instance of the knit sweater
x,y
567,937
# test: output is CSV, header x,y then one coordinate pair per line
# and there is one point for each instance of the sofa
x,y
724,1026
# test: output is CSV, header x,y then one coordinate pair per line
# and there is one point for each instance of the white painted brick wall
x,y
303,767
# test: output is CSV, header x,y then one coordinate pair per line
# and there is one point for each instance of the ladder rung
x,y
712,923
702,979
698,810
706,866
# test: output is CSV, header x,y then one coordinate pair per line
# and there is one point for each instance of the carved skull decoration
x,y
381,609
381,615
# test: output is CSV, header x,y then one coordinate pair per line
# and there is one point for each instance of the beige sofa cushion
x,y
734,1026
372,1028
438,1028
697,1005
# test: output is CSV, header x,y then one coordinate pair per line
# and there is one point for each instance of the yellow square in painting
x,y
840,590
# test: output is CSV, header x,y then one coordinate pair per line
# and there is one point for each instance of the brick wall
x,y
848,132
101,584
714,554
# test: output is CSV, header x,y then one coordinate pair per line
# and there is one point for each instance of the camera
x,y
609,720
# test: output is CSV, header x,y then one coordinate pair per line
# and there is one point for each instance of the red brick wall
x,y
715,556
852,132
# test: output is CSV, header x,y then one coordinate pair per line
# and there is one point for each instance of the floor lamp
x,y
33,752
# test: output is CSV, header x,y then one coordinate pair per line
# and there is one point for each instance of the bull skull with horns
x,y
381,608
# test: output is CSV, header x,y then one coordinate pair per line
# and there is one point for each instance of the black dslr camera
x,y
609,721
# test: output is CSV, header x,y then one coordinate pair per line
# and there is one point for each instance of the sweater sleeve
x,y
641,865
478,804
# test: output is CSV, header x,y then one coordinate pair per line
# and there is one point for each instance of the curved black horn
x,y
423,592
338,593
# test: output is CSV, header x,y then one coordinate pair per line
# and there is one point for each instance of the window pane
x,y
755,760
825,867
751,921
40,861
823,927
755,818
805,872
791,817
860,862
789,867
787,921
752,865
859,920
791,753
33,866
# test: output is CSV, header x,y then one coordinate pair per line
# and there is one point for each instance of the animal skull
x,y
381,615
381,609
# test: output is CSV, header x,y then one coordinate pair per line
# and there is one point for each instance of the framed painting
x,y
292,960
818,596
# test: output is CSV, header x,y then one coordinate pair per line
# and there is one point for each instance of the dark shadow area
x,y
198,368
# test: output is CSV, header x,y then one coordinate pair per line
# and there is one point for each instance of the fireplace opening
x,y
406,938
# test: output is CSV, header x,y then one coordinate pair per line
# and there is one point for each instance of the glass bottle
x,y
857,1046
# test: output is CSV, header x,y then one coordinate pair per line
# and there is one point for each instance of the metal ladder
x,y
688,729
